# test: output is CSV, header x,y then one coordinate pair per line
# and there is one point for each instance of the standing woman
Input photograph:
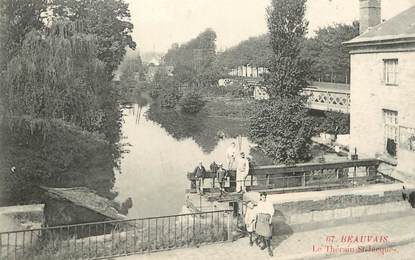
x,y
265,212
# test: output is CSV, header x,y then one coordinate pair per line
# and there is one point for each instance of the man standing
x,y
199,174
220,176
265,212
230,156
241,172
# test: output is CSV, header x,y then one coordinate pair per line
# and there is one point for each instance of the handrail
x,y
115,221
306,174
327,91
304,167
108,239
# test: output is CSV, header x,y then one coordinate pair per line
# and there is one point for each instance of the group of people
x,y
257,217
240,164
200,172
258,222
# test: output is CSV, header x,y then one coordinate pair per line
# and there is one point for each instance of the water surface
x,y
161,153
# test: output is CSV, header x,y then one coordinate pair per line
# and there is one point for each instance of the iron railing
x,y
117,238
306,176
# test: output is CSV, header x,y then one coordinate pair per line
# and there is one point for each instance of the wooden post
x,y
229,223
200,202
303,180
267,181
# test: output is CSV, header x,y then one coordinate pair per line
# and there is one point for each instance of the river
x,y
163,147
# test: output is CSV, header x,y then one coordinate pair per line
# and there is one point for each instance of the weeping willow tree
x,y
56,75
61,113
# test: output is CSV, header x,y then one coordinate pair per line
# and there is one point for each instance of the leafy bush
x,y
283,129
192,102
166,88
169,98
335,123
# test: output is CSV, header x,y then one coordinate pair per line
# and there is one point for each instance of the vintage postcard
x,y
207,129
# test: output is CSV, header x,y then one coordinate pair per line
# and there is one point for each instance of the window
x,y
391,131
390,71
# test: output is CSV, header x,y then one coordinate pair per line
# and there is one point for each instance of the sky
x,y
160,23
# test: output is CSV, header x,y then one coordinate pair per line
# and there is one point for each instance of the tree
x,y
331,61
335,123
62,120
283,130
108,20
56,74
17,18
194,62
289,72
255,51
280,125
131,76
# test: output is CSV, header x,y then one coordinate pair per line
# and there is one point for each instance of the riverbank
x,y
228,107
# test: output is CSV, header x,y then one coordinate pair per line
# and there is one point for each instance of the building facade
x,y
248,71
382,87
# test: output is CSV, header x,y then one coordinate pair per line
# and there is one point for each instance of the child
x,y
250,218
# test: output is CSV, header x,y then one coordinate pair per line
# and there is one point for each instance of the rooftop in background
x,y
400,27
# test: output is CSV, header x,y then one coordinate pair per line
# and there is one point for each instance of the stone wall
x,y
337,202
312,210
21,217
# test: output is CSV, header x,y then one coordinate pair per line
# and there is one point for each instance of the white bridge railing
x,y
328,100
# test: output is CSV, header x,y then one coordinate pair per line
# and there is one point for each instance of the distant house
x,y
152,70
248,71
383,86
260,93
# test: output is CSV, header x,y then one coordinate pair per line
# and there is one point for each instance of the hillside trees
x,y
330,59
194,62
255,51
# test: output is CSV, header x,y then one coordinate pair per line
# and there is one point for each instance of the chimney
x,y
369,14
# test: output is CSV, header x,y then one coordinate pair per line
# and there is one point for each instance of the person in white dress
x,y
265,212
242,171
250,219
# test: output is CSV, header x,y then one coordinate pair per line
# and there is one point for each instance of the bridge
x,y
328,96
323,96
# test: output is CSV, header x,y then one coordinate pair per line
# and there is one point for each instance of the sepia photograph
x,y
207,129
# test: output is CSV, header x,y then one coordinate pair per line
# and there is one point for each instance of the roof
x,y
401,26
86,198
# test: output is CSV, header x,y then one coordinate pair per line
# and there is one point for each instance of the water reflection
x,y
164,146
206,131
